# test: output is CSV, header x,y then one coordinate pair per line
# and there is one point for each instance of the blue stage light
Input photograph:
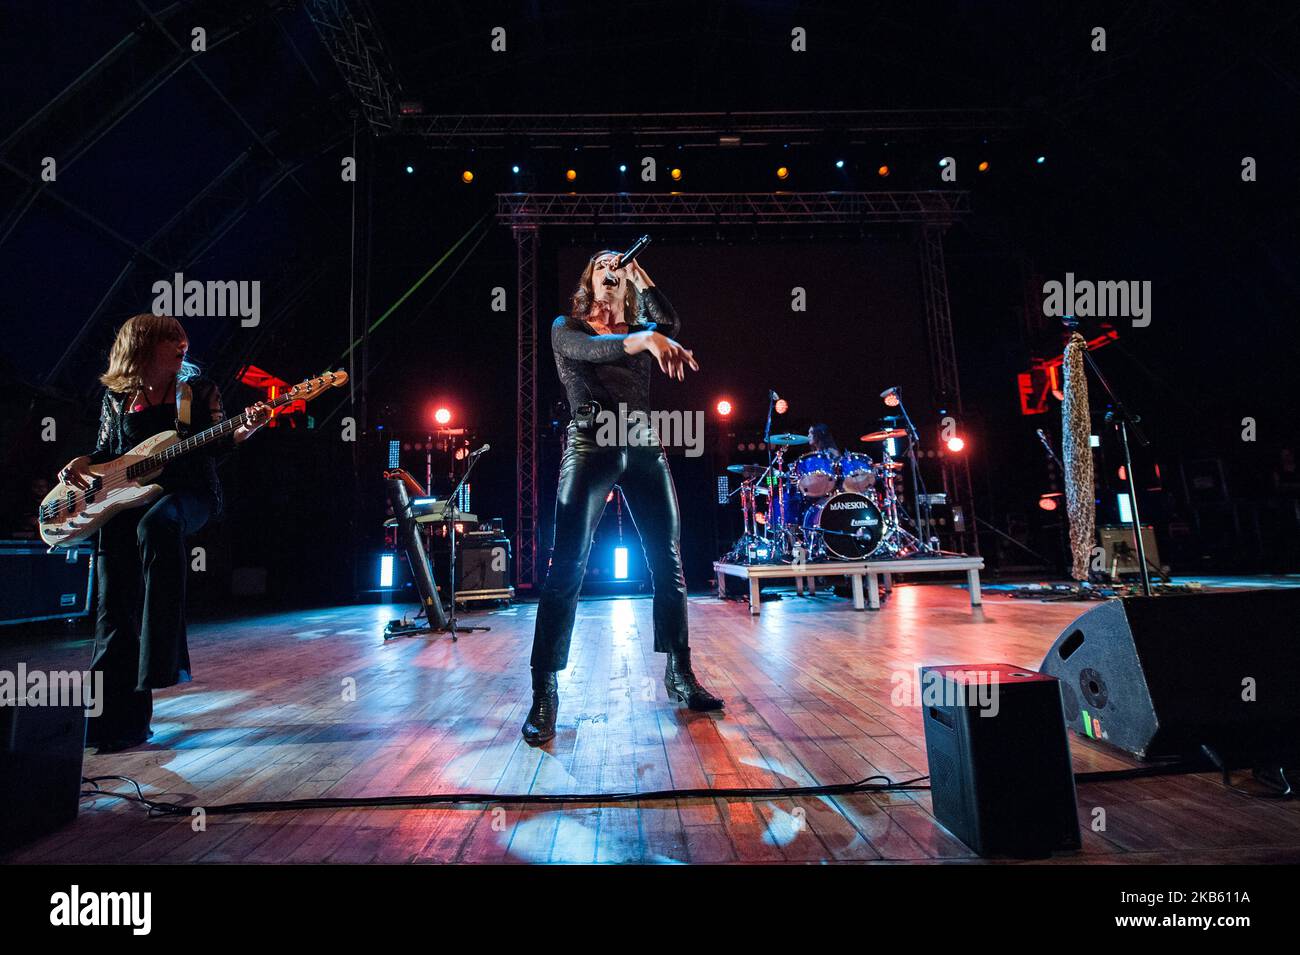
x,y
620,563
386,571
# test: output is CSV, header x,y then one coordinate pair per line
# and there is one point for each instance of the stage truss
x,y
526,213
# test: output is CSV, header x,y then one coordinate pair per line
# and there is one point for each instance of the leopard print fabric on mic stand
x,y
1080,490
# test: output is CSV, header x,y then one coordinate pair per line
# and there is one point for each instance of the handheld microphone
x,y
637,248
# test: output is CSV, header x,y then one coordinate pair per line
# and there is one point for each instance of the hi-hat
x,y
890,465
884,435
748,472
788,439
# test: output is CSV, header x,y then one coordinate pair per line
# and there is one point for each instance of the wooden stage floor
x,y
808,688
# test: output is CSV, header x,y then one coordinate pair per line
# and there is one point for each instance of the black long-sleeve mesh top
x,y
596,368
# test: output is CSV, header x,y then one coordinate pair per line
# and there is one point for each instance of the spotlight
x,y
467,176
410,169
724,407
1040,160
620,563
839,164
515,170
781,406
386,563
782,172
570,174
984,166
955,444
890,395
442,416
676,174
943,162
622,167
1048,501
882,172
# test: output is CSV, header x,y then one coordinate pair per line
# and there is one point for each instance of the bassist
x,y
140,642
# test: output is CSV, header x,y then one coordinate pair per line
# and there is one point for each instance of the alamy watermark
x,y
977,689
23,687
641,429
1087,299
194,299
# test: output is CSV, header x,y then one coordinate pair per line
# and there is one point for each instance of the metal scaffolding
x,y
351,35
525,213
460,131
526,418
943,371
731,208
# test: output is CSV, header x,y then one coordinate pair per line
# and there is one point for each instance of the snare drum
x,y
814,473
857,472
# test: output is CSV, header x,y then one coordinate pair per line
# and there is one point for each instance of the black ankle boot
x,y
540,724
682,685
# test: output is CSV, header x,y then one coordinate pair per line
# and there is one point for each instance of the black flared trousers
x,y
588,472
140,638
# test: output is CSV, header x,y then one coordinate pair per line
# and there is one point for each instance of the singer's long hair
x,y
580,306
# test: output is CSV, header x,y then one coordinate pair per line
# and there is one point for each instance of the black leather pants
x,y
588,472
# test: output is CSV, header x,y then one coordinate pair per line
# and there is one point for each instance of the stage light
x,y
1094,441
620,563
891,447
724,488
1047,502
1040,160
724,407
385,570
515,170
442,416
394,453
1125,509
882,172
839,164
1122,473
782,172
943,162
955,444
891,397
467,176
570,174
676,174
410,169
781,406
622,167
983,166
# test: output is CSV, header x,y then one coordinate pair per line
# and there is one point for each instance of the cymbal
x,y
788,439
747,471
891,465
884,435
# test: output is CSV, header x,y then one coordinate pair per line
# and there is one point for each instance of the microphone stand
x,y
913,439
1120,416
455,513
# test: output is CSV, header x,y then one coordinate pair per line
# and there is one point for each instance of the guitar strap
x,y
184,398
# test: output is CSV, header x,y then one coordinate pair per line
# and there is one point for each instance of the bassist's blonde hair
x,y
134,347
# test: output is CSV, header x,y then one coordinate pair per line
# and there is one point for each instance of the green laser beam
x,y
418,282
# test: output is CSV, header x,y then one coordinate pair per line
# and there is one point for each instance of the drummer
x,y
821,439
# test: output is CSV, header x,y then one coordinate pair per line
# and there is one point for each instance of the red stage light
x,y
724,407
442,416
882,171
956,444
782,406
1047,502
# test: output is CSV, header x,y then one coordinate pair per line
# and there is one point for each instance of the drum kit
x,y
824,505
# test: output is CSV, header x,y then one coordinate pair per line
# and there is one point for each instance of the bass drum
x,y
846,526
